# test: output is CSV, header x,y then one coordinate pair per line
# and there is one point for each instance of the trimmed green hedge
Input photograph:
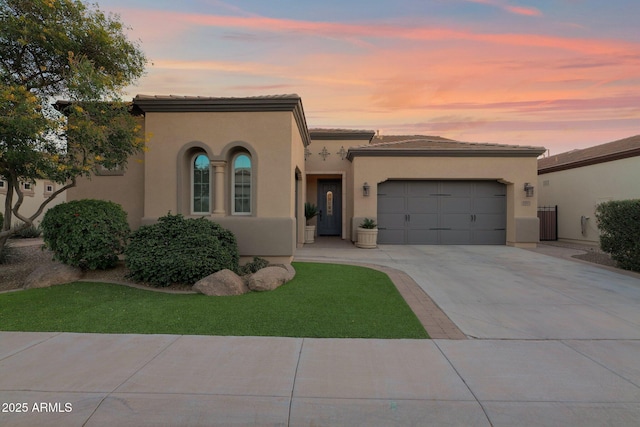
x,y
619,224
179,250
89,234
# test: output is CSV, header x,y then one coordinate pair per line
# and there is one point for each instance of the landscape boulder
x,y
269,278
222,283
52,274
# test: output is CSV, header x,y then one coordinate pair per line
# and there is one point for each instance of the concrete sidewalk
x,y
556,343
149,380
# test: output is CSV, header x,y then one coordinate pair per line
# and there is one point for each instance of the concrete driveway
x,y
499,292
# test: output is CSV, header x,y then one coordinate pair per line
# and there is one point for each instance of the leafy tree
x,y
62,49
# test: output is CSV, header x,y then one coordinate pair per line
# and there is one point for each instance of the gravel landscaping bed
x,y
25,259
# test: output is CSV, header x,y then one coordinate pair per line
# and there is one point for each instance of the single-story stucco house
x,y
577,181
251,163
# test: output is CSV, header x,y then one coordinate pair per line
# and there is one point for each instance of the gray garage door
x,y
442,213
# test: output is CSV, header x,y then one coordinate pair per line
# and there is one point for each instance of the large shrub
x,y
619,224
89,234
179,250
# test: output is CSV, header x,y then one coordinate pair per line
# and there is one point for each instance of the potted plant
x,y
310,212
367,234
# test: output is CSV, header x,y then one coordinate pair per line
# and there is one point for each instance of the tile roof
x,y
620,149
437,142
435,146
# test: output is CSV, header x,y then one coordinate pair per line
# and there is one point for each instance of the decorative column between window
x,y
218,201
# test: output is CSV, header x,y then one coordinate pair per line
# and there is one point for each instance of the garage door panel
x,y
489,221
422,221
387,204
421,188
489,205
456,221
453,205
455,188
422,205
391,236
489,189
391,188
391,220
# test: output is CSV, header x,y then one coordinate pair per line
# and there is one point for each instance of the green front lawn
x,y
324,300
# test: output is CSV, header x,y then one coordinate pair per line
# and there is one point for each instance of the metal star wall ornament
x,y
324,153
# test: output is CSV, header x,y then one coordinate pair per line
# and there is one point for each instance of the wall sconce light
x,y
365,190
528,188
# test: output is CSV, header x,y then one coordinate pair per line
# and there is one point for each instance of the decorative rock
x,y
52,274
269,278
291,272
222,283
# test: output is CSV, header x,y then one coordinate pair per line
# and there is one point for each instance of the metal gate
x,y
548,216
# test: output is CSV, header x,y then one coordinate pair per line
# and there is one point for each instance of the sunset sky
x,y
563,74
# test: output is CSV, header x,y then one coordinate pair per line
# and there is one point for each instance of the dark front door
x,y
330,207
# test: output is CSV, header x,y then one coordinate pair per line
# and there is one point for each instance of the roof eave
x,y
342,136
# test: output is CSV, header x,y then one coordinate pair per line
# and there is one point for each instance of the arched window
x,y
201,185
241,186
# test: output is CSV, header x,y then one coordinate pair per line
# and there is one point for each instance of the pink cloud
x,y
462,84
518,10
359,34
527,11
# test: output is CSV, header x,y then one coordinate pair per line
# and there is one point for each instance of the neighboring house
x,y
34,196
577,181
251,163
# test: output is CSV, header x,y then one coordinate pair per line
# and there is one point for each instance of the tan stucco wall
x,y
578,191
126,189
522,218
33,199
268,134
275,145
298,171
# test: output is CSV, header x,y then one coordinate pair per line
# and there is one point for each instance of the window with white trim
x,y
241,185
200,184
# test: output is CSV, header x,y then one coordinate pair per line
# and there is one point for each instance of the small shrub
x,y
310,211
29,232
368,223
619,224
89,234
253,266
179,250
